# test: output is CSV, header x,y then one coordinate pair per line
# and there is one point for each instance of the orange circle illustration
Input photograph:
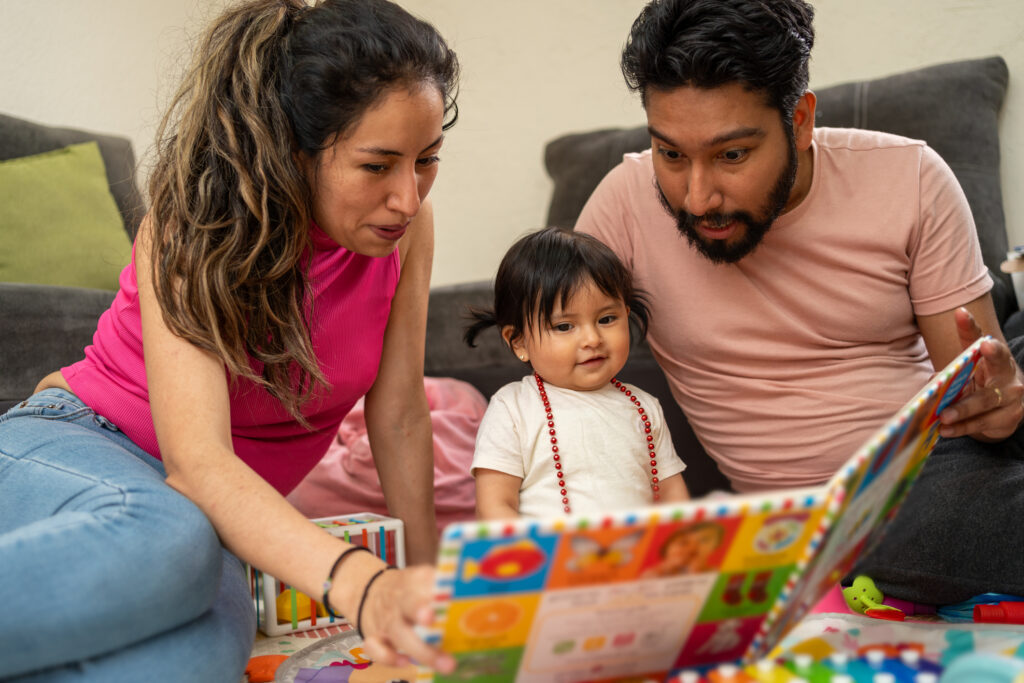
x,y
491,619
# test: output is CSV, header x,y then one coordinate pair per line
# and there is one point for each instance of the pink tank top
x,y
352,297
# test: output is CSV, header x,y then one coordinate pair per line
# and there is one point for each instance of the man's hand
x,y
993,404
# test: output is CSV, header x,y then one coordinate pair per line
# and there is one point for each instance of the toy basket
x,y
281,609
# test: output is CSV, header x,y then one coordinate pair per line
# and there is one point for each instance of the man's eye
x,y
734,154
670,154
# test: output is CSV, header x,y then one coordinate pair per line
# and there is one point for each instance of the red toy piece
x,y
1000,613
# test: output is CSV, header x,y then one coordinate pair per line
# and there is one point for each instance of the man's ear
x,y
803,120
515,342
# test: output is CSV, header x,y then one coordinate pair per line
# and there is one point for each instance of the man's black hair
x,y
763,45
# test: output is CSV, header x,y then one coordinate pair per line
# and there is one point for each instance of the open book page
x,y
865,494
644,592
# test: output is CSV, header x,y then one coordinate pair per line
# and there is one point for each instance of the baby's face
x,y
584,346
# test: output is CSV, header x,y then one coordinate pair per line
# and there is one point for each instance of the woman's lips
x,y
390,232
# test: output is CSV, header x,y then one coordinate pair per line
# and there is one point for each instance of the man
x,y
806,283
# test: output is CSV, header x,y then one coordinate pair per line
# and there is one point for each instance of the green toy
x,y
864,598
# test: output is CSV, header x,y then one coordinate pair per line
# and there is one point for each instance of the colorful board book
x,y
642,593
280,609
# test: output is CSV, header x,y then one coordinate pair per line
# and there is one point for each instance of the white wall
x,y
103,65
533,70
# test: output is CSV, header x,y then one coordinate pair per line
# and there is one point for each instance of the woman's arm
x,y
189,399
497,494
397,413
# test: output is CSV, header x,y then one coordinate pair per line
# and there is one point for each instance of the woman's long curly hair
x,y
272,82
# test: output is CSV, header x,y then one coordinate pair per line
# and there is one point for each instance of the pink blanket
x,y
345,480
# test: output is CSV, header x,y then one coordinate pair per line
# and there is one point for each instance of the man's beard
x,y
722,251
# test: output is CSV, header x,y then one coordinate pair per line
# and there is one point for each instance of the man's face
x,y
725,165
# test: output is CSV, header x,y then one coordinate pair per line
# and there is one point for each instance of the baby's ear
x,y
514,342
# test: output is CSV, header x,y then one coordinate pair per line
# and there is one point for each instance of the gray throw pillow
x,y
955,109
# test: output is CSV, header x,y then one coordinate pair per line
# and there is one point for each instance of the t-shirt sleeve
x,y
946,265
498,440
669,462
607,213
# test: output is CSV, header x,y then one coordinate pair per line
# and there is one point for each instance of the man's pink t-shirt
x,y
786,361
352,297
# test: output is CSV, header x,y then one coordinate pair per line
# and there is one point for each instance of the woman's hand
x,y
993,405
396,603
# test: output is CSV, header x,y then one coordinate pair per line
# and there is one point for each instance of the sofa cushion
x,y
21,138
44,329
917,104
60,223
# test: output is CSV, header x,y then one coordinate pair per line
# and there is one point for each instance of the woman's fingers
x,y
397,603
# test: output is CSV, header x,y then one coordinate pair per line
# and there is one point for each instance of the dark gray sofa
x,y
46,327
955,107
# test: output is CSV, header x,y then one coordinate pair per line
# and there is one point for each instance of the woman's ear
x,y
515,342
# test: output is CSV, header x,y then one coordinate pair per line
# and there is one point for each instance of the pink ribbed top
x,y
352,297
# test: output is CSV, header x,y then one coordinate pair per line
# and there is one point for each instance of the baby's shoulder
x,y
516,392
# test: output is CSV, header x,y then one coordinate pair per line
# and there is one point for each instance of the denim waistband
x,y
59,405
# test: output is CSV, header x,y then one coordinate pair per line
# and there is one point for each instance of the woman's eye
x,y
375,168
428,161
734,154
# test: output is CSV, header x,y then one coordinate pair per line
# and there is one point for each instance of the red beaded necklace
x,y
554,439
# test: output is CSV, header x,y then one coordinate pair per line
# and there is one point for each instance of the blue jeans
x,y
106,572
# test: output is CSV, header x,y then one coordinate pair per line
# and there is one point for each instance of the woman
x,y
281,273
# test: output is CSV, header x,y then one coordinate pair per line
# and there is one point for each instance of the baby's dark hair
x,y
547,267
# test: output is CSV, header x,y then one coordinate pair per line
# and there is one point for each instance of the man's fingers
x,y
966,327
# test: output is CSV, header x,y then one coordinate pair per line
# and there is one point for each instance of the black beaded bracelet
x,y
330,576
362,600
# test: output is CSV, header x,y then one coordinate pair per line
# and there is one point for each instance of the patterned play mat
x,y
821,647
326,655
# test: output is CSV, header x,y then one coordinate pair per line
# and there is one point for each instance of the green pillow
x,y
59,224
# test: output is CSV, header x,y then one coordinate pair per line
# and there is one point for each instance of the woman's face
x,y
371,182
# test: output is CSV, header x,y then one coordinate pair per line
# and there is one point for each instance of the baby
x,y
569,437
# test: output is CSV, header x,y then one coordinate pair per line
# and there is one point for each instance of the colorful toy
x,y
875,665
281,609
864,598
984,668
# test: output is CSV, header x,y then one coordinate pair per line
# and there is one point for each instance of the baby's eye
x,y
607,319
562,327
